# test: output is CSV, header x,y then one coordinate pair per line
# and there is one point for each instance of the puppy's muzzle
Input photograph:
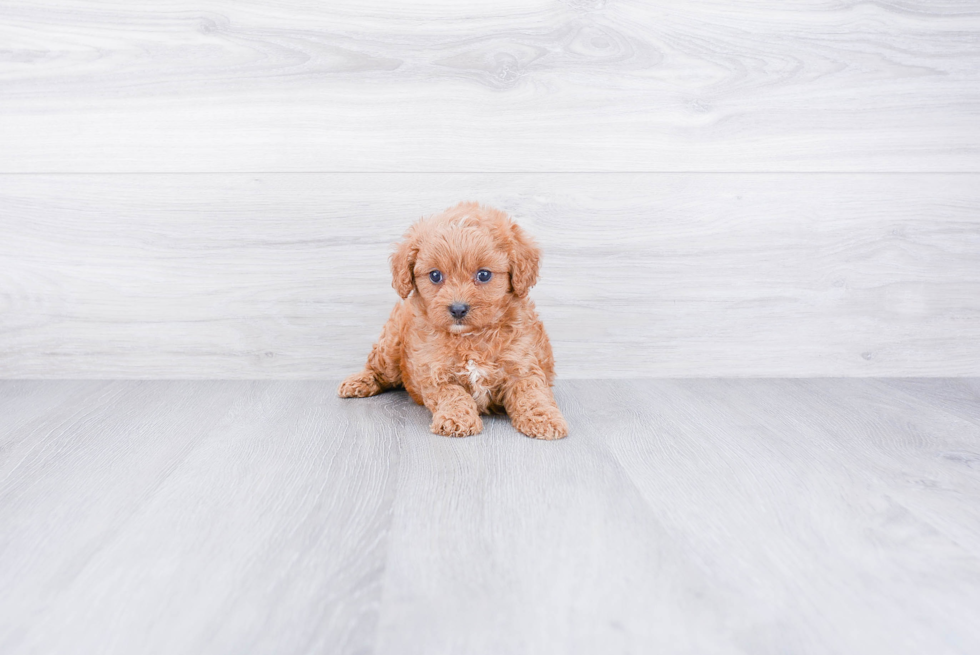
x,y
458,310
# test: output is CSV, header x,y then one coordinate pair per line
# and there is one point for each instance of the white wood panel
x,y
286,276
588,85
679,516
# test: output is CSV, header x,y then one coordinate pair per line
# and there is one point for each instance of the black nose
x,y
458,309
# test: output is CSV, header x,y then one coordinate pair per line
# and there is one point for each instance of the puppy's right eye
x,y
436,277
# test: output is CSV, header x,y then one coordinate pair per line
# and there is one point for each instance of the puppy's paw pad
x,y
359,385
547,424
456,426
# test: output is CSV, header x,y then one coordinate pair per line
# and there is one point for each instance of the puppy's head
x,y
466,266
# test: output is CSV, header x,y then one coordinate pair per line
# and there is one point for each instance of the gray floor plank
x,y
708,516
799,503
23,402
503,544
958,396
202,517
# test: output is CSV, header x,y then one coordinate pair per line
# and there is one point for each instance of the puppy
x,y
466,340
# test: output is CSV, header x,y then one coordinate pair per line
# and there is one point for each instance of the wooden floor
x,y
680,516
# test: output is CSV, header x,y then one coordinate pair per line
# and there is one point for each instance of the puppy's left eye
x,y
483,275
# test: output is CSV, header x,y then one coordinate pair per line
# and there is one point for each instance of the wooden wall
x,y
210,189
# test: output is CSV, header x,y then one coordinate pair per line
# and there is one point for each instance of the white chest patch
x,y
477,379
476,374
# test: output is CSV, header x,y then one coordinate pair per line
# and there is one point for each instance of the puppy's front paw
x,y
359,385
457,425
542,423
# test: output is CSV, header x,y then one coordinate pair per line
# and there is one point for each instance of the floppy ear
x,y
525,258
403,263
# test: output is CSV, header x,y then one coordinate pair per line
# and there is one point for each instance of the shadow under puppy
x,y
466,340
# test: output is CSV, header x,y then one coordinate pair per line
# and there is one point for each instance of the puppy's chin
x,y
459,328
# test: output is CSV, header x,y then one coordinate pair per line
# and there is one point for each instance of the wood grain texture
x,y
285,276
721,516
960,396
581,85
863,485
165,517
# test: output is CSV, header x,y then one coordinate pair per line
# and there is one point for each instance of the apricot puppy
x,y
465,340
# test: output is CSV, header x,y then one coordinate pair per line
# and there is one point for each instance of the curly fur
x,y
496,358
